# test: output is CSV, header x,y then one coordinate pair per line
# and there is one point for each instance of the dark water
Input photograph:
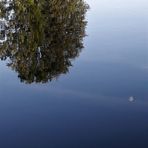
x,y
101,101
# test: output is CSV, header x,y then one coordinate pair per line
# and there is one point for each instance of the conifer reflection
x,y
43,36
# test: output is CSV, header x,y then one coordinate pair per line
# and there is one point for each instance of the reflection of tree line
x,y
43,36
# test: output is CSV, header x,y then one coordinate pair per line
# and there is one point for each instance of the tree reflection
x,y
41,36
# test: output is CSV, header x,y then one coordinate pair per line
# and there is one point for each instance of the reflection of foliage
x,y
43,36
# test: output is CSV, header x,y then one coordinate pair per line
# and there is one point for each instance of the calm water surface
x,y
99,102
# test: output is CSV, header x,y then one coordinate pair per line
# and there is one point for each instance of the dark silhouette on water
x,y
42,36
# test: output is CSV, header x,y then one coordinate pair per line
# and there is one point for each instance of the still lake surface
x,y
102,102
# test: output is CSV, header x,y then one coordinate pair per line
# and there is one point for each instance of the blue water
x,y
101,103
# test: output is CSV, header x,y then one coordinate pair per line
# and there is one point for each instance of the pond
x,y
74,74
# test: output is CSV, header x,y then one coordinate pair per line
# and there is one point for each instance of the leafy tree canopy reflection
x,y
41,37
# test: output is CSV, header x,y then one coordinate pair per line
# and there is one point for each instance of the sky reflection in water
x,y
90,106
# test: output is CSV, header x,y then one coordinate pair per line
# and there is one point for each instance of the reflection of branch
x,y
2,31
